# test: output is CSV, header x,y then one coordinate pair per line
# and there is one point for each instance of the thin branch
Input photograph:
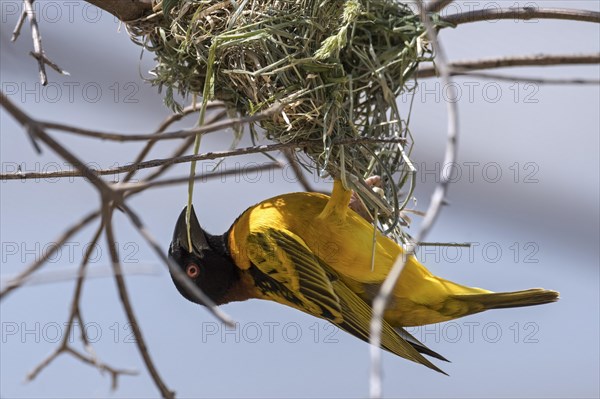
x,y
43,364
46,61
183,147
381,300
114,372
436,6
110,199
522,13
124,296
38,51
120,137
37,39
75,313
22,277
527,79
460,67
19,25
161,128
36,130
126,11
52,276
81,275
293,162
131,188
188,158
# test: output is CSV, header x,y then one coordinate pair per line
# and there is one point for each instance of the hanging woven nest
x,y
334,68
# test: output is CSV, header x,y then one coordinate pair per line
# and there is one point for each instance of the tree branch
x,y
189,158
111,197
522,13
165,125
459,67
528,79
64,346
22,277
35,130
438,5
127,307
125,10
38,52
206,128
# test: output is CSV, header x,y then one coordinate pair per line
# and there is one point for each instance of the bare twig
x,y
51,276
182,149
75,313
188,158
111,197
213,127
438,5
132,188
24,275
43,364
36,130
460,67
289,155
38,51
19,25
164,126
381,300
114,372
512,78
124,10
129,312
522,13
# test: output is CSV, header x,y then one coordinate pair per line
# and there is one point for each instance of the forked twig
x,y
111,197
64,346
38,51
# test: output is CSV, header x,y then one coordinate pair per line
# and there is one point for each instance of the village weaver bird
x,y
313,253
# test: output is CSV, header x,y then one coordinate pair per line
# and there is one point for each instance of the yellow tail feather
x,y
499,300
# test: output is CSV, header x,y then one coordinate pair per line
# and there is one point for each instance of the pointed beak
x,y
180,235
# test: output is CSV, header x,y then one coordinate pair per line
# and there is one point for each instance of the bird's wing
x,y
357,321
287,269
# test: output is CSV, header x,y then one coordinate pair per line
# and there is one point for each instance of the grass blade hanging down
x,y
207,95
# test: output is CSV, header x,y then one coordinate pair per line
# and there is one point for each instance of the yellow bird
x,y
311,252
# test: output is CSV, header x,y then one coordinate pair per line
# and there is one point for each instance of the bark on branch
x,y
125,10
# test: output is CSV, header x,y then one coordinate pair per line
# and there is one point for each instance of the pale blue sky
x,y
550,209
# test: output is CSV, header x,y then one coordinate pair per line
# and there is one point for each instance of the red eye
x,y
192,270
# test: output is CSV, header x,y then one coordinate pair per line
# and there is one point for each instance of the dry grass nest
x,y
333,68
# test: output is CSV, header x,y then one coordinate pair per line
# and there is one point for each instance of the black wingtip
x,y
435,368
426,351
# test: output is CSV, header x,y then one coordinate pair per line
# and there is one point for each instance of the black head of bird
x,y
207,263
